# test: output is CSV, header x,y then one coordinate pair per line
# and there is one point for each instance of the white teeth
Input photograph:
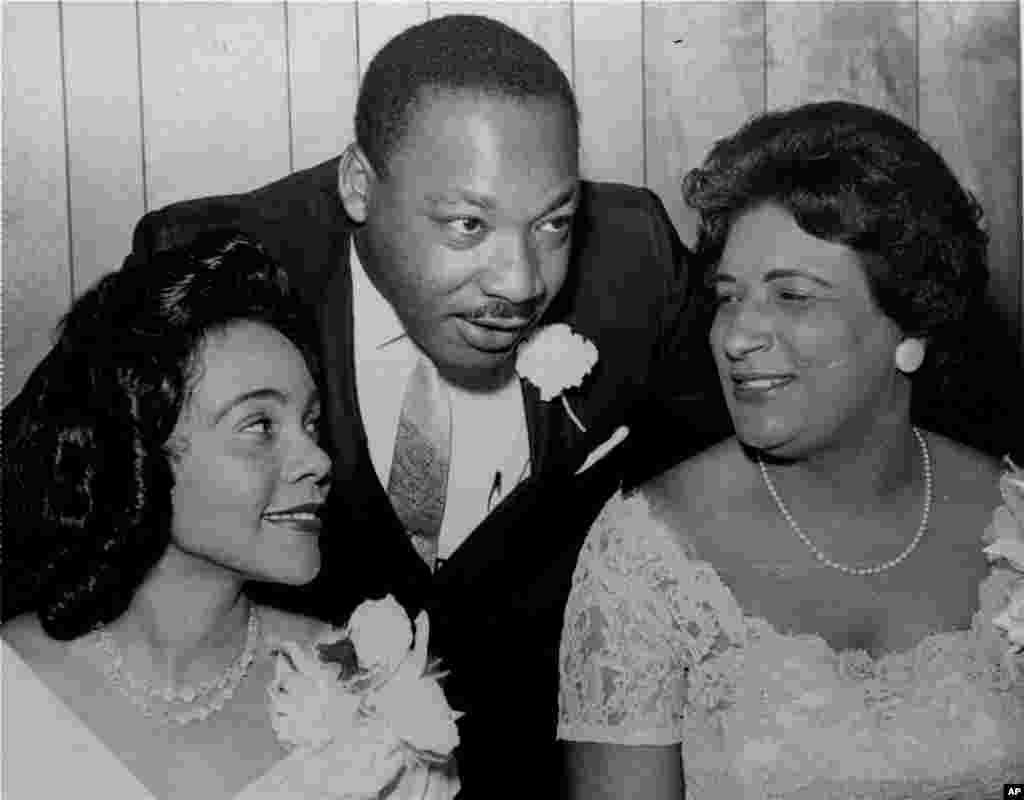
x,y
762,383
304,516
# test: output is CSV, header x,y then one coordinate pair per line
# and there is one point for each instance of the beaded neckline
x,y
874,569
188,704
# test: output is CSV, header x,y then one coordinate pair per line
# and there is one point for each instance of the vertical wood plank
x,y
970,109
324,74
838,50
609,81
548,24
214,86
382,20
104,135
36,259
704,68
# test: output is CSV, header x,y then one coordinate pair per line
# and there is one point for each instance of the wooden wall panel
x,y
549,24
970,109
172,100
104,136
36,259
380,21
324,73
704,76
215,97
609,81
862,52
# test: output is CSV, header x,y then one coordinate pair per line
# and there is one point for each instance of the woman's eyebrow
x,y
776,274
253,394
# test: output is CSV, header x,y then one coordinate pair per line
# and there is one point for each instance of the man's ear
x,y
356,178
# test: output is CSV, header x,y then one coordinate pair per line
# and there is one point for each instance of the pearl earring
x,y
909,355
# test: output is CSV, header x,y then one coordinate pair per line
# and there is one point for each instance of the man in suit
x,y
452,229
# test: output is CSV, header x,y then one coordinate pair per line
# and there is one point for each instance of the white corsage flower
x,y
1005,535
363,710
414,705
554,359
356,766
381,634
306,710
1011,619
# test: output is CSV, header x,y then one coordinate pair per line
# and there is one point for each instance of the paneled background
x,y
111,109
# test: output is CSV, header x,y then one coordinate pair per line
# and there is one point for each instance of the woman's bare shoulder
x,y
25,635
701,496
963,474
966,493
704,482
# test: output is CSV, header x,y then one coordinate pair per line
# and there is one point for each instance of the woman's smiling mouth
x,y
304,518
751,385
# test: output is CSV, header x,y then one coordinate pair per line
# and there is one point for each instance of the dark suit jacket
x,y
496,605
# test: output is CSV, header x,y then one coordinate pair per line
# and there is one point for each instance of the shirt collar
x,y
377,323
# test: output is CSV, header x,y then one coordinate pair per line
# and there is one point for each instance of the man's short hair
x,y
461,52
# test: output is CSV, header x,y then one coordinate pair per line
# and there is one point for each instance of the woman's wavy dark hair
x,y
859,177
87,462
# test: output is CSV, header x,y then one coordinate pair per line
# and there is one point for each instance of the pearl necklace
x,y
139,691
876,568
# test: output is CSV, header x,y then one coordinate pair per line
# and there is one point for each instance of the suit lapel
x,y
538,426
336,325
552,437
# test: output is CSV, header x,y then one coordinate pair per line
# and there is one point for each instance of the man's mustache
x,y
503,309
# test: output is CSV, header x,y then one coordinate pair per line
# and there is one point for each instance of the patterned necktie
x,y
419,468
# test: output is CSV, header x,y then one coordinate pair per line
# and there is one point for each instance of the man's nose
x,y
514,273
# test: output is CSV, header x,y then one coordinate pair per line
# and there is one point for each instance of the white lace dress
x,y
656,650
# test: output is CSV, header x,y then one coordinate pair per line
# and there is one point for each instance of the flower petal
x,y
1012,551
419,653
1012,488
555,358
381,633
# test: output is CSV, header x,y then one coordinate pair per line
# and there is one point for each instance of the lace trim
x,y
653,639
632,629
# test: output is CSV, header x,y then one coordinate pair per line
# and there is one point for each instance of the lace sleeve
x,y
634,623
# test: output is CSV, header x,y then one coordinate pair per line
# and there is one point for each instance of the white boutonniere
x,y
555,359
362,703
1005,538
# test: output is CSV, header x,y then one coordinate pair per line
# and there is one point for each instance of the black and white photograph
x,y
568,399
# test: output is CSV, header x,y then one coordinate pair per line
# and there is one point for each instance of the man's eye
x,y
465,226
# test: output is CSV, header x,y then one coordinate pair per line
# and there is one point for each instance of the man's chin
x,y
481,371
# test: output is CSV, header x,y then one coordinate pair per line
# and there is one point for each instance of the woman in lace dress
x,y
165,452
804,610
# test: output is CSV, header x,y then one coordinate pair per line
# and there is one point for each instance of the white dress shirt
x,y
489,437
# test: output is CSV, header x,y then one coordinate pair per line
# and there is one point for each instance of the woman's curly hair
x,y
87,459
857,176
